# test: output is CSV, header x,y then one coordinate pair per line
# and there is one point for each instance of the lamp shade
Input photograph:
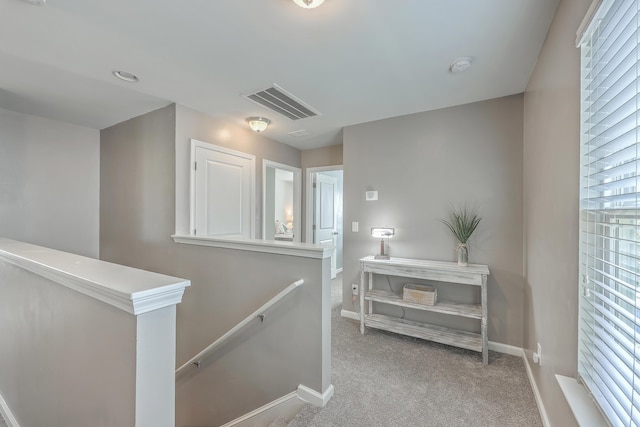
x,y
308,4
383,232
258,124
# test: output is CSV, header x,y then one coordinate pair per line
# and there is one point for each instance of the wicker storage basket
x,y
421,294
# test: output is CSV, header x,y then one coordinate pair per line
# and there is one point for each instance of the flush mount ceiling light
x,y
460,65
308,4
126,76
258,124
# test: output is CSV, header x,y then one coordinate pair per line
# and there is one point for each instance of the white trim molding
x,y
297,196
316,399
350,314
585,25
536,392
581,403
506,348
305,250
129,289
286,406
6,413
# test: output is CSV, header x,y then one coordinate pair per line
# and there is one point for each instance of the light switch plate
x,y
354,227
370,196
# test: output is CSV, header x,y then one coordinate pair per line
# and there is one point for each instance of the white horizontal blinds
x,y
609,338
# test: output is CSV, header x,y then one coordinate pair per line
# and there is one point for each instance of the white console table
x,y
439,271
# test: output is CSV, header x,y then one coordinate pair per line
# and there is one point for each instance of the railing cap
x,y
130,289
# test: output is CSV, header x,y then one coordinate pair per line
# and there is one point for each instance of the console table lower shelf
x,y
461,339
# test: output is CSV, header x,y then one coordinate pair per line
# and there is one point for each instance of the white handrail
x,y
195,360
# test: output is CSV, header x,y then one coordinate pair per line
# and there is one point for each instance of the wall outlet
x,y
354,289
537,356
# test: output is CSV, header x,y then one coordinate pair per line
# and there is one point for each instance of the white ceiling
x,y
352,60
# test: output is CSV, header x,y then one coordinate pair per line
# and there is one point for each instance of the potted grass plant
x,y
462,222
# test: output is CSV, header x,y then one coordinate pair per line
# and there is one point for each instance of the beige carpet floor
x,y
384,379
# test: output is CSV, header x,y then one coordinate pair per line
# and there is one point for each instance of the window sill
x,y
582,405
305,250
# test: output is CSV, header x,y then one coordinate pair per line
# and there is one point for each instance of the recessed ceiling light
x,y
460,65
127,77
36,2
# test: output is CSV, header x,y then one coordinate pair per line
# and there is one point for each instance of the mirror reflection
x,y
281,203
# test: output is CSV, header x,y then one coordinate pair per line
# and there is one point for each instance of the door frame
x,y
308,236
297,196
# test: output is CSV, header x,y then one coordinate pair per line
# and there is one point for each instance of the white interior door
x,y
326,228
223,192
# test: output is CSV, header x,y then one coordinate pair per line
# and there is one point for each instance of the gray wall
x,y
196,125
49,183
551,187
67,359
325,156
422,163
265,362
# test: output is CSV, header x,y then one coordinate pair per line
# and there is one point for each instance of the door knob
x,y
335,233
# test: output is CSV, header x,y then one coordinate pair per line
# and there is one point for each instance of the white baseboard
x,y
350,314
284,407
505,348
536,392
7,414
287,406
315,398
517,351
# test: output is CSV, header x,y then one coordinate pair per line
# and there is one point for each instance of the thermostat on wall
x,y
371,195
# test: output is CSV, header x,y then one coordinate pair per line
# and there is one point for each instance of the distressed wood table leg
x,y
370,287
485,338
362,275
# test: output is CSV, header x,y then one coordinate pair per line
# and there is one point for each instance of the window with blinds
x,y
609,335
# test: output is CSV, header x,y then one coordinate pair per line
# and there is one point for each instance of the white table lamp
x,y
382,233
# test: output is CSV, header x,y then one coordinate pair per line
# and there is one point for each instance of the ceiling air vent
x,y
277,99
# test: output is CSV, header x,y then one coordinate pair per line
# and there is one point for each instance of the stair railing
x,y
258,314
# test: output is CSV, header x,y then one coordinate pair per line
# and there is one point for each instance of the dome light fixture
x,y
460,65
308,4
126,76
258,124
